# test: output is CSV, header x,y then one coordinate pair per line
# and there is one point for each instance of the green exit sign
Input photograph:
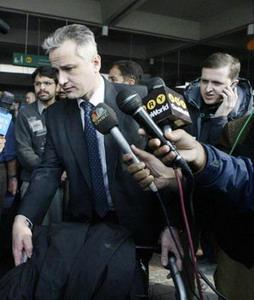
x,y
28,60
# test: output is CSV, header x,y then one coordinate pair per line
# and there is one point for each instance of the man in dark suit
x,y
73,52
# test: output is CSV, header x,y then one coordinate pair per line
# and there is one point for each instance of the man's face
x,y
78,76
45,88
60,93
30,98
116,76
213,82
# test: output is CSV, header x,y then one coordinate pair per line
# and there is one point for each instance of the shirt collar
x,y
97,96
41,107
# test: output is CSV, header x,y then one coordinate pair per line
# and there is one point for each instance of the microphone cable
x,y
188,232
197,272
180,288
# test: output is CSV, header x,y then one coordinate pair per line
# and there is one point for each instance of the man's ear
x,y
129,81
97,63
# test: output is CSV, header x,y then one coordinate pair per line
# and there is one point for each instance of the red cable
x,y
189,238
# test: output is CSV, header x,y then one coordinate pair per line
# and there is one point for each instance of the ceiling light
x,y
16,69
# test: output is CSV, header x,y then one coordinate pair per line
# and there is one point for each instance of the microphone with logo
x,y
165,106
105,121
131,104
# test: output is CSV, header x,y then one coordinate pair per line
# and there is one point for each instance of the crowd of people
x,y
74,183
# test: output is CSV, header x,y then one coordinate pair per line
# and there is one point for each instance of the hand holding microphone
x,y
105,121
189,149
131,104
151,169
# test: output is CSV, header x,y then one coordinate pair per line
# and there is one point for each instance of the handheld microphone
x,y
105,121
131,104
152,83
165,106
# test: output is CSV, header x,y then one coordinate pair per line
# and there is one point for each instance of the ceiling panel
x,y
195,10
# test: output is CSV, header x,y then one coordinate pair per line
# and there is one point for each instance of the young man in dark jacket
x,y
217,97
30,134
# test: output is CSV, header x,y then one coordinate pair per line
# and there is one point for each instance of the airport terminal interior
x,y
168,39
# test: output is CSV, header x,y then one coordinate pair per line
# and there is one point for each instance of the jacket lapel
x,y
75,135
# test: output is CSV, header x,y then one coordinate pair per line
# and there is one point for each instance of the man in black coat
x,y
73,52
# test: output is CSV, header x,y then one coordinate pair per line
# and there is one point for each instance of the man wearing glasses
x,y
30,131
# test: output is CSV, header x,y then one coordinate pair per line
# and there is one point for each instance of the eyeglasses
x,y
45,83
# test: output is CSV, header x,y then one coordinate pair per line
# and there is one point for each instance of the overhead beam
x,y
160,25
114,10
83,10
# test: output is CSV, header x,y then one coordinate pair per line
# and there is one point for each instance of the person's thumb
x,y
142,155
164,255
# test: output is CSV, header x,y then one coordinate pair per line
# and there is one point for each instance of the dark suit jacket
x,y
65,150
60,270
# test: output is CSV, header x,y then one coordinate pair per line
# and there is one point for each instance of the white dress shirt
x,y
96,98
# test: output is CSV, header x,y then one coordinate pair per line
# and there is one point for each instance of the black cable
x,y
203,277
165,213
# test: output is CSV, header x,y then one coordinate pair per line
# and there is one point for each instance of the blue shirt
x,y
9,151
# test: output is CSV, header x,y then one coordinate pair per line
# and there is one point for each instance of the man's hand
x,y
149,170
21,240
187,146
168,245
230,97
13,185
63,176
2,143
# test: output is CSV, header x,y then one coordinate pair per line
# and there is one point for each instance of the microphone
x,y
131,104
105,121
4,27
165,106
152,83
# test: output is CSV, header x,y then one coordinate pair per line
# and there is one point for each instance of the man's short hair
x,y
219,60
80,34
129,68
46,71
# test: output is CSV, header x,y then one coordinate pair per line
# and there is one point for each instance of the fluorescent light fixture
x,y
250,29
104,30
5,68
